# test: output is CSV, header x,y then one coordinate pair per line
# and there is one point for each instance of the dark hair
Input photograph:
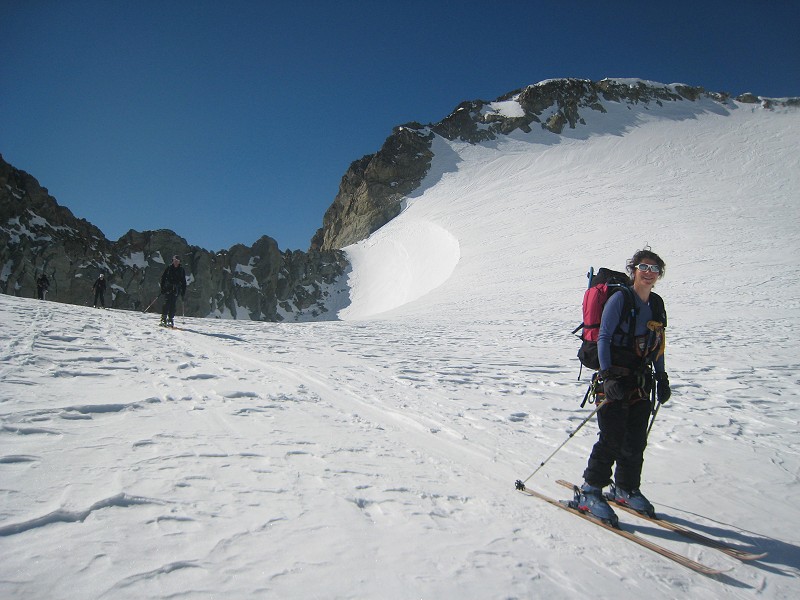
x,y
640,255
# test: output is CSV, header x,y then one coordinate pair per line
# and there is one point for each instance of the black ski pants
x,y
623,421
168,310
99,295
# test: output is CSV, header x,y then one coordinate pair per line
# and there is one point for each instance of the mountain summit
x,y
545,181
374,187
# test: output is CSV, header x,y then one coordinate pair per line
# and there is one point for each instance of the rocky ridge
x,y
259,282
374,187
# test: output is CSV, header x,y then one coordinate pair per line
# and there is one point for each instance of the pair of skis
x,y
666,524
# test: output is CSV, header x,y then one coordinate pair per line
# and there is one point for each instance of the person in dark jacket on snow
x,y
99,288
42,283
626,368
173,283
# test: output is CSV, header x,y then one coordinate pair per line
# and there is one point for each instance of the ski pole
x,y
655,405
655,412
153,302
577,429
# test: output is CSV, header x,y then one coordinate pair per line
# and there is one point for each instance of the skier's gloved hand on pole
x,y
662,388
613,384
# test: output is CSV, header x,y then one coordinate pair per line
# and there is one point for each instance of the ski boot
x,y
634,500
163,322
171,323
590,501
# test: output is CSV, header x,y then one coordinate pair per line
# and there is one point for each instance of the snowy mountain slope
x,y
698,181
375,457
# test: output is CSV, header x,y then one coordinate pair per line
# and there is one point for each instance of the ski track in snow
x,y
245,459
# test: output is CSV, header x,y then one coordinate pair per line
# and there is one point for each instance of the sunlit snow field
x,y
375,456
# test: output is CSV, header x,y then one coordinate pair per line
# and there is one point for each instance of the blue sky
x,y
226,121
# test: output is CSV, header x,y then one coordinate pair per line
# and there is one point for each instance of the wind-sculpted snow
x,y
365,459
73,516
398,265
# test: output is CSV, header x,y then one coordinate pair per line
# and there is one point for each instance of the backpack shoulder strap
x,y
629,304
657,306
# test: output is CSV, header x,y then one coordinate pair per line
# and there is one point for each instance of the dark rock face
x,y
372,190
259,283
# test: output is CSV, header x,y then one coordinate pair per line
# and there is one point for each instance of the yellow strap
x,y
658,327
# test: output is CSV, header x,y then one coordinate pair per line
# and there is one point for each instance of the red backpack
x,y
602,285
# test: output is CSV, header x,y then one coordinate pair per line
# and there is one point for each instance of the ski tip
x,y
750,556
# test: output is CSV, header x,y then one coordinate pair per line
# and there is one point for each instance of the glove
x,y
662,388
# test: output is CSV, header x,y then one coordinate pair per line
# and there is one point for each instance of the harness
x,y
634,357
634,352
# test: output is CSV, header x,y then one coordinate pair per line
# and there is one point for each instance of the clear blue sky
x,y
229,120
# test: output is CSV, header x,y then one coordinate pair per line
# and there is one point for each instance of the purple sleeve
x,y
612,313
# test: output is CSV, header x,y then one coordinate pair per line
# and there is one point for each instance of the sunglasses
x,y
651,268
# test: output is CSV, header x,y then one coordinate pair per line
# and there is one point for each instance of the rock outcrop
x,y
371,192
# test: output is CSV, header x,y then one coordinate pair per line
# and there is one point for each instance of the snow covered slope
x,y
712,187
375,457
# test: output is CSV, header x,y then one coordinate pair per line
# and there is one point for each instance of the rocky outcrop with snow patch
x,y
372,190
374,187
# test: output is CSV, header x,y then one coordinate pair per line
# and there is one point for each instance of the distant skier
x,y
99,288
627,361
173,282
42,283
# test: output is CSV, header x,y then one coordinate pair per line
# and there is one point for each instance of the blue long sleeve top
x,y
612,314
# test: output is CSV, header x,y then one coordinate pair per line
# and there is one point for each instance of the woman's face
x,y
645,277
